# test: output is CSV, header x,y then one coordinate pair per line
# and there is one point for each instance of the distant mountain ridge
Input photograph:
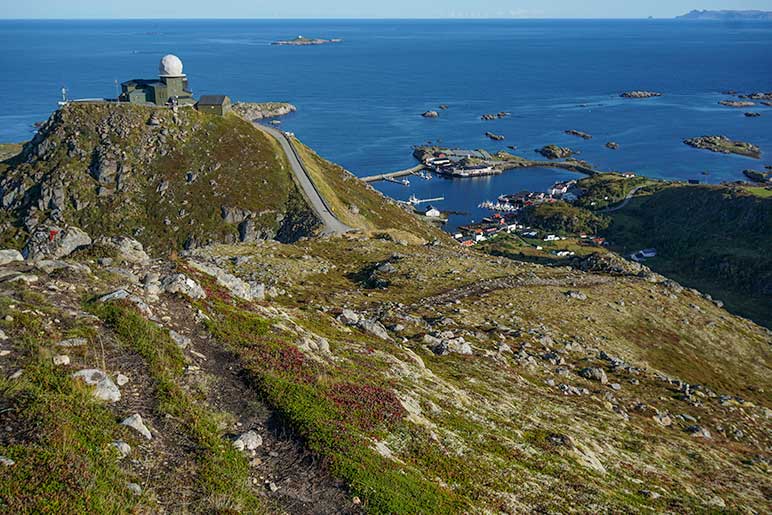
x,y
726,15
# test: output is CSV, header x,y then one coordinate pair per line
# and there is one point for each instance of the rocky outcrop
x,y
10,256
724,145
494,137
183,285
239,288
252,111
104,387
640,94
555,152
301,41
54,242
497,116
610,263
578,134
737,103
128,249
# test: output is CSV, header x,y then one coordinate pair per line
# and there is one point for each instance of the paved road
x,y
315,200
624,202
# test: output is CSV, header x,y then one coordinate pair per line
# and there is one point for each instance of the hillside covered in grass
x,y
175,180
387,370
716,239
379,377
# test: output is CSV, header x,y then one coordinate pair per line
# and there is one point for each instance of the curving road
x,y
624,202
315,200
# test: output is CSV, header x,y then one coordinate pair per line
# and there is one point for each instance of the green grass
x,y
375,214
223,472
759,191
65,462
9,150
337,412
235,166
607,189
563,218
715,239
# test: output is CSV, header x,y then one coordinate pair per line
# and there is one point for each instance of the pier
x,y
394,175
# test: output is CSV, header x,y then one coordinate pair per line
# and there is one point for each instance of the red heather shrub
x,y
367,406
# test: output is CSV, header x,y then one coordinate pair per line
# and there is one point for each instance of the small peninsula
x,y
304,41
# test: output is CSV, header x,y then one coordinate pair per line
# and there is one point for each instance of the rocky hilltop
x,y
260,111
171,180
389,370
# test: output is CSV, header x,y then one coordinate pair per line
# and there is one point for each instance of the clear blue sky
x,y
364,8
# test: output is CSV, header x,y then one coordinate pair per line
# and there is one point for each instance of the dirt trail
x,y
304,486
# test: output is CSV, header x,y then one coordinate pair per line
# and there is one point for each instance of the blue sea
x,y
359,102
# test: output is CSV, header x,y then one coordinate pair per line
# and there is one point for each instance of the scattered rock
x,y
236,286
752,115
125,295
612,145
122,447
134,488
576,295
61,360
594,374
431,114
698,432
122,380
649,494
105,390
249,441
181,341
184,285
135,422
6,462
72,342
374,327
10,256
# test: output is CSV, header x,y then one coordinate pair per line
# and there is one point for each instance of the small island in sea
x,y
724,145
304,41
727,15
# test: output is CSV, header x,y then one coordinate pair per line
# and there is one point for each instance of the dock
x,y
394,175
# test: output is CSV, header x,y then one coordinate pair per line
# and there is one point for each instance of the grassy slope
x,y
376,214
61,437
235,166
711,238
9,150
482,426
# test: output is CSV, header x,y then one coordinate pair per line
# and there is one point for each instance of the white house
x,y
432,212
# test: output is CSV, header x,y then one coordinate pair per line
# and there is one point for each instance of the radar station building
x,y
170,88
